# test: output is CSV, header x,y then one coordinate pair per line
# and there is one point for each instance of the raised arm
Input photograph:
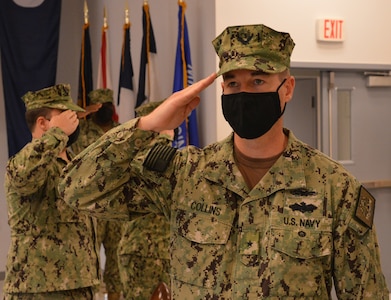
x,y
174,110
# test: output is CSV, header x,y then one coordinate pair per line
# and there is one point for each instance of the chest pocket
x,y
301,243
299,250
199,248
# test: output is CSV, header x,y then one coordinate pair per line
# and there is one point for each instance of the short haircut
x,y
33,114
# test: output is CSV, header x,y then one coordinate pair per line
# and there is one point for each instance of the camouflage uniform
x,y
143,251
52,245
306,224
108,232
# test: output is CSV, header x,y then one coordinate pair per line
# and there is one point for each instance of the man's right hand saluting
x,y
175,109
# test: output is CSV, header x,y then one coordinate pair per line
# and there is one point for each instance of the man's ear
x,y
289,88
41,123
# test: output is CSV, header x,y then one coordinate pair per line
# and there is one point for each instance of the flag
x,y
104,71
29,39
125,90
85,69
183,77
147,87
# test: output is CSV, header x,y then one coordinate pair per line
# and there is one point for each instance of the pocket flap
x,y
301,243
202,229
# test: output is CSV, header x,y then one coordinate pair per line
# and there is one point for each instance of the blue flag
x,y
29,45
183,77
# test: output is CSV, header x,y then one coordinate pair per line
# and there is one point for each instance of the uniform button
x,y
302,233
120,134
138,142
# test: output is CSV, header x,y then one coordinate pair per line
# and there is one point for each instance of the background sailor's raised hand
x,y
67,121
174,110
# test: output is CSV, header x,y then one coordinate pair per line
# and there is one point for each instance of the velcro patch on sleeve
x,y
159,157
365,209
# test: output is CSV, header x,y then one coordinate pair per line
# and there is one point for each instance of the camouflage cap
x,y
147,108
253,47
101,96
57,96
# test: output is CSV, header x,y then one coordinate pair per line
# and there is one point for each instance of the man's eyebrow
x,y
228,76
259,73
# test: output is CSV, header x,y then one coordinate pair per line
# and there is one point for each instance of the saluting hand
x,y
176,108
67,121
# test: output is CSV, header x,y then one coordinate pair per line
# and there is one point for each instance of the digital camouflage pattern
x,y
143,252
144,259
289,237
52,245
58,96
108,232
253,47
89,133
147,108
79,294
101,96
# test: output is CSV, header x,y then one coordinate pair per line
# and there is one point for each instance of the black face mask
x,y
104,115
251,115
73,137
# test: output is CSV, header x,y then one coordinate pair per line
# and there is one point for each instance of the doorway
x,y
302,114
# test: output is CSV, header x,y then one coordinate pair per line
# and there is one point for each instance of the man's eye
x,y
258,81
232,84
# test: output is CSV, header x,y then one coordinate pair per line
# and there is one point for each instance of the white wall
x,y
366,39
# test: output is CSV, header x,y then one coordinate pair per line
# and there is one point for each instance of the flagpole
x,y
83,88
126,26
148,47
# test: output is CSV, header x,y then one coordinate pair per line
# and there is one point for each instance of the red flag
x,y
104,71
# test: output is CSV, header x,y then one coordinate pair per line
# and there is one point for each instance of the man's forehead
x,y
55,111
235,73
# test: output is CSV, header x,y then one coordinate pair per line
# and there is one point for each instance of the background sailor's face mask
x,y
73,136
251,115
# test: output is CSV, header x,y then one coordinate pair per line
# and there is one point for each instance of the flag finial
x,y
104,17
127,21
85,12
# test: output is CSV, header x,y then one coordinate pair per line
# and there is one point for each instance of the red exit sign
x,y
330,30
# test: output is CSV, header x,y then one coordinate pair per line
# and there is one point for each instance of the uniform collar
x,y
286,173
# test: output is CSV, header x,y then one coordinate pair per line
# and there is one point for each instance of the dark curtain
x,y
29,39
